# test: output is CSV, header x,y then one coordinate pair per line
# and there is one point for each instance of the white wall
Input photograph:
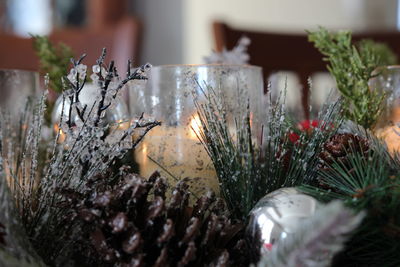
x,y
179,31
280,15
162,30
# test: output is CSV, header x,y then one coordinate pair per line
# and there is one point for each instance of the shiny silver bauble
x,y
277,215
116,113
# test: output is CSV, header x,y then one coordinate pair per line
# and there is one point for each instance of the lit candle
x,y
177,153
391,133
391,136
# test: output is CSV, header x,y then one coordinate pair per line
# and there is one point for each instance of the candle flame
x,y
62,135
195,125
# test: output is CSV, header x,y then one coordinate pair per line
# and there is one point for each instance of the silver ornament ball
x,y
118,112
276,216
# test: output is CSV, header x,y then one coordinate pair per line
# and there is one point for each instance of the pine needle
x,y
54,60
370,183
247,171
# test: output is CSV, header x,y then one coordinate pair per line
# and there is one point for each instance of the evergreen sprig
x,y
352,66
370,183
234,158
247,170
287,163
384,55
53,59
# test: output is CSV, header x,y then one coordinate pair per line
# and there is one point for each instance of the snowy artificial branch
x,y
36,171
238,55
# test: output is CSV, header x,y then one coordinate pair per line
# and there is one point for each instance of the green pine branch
x,y
352,66
53,59
247,171
370,183
233,157
383,54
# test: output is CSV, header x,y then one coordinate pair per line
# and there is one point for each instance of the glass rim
x,y
216,65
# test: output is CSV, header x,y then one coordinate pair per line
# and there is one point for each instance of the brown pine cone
x,y
339,146
337,149
132,223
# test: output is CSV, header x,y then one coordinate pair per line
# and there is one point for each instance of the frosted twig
x,y
36,178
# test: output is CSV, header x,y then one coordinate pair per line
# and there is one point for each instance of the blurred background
x,y
184,31
180,31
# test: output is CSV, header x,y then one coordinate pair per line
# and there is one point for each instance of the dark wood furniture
x,y
108,26
292,52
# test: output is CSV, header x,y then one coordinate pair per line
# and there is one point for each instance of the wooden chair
x,y
17,53
121,40
292,52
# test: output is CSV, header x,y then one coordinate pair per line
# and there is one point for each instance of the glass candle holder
x,y
16,86
387,81
173,148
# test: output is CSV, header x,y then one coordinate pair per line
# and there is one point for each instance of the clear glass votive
x,y
174,148
387,81
15,87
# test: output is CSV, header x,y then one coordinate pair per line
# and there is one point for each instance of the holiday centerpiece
x,y
311,193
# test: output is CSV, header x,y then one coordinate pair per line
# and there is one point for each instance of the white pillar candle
x,y
178,151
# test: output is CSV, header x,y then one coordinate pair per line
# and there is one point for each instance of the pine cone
x,y
132,223
338,148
